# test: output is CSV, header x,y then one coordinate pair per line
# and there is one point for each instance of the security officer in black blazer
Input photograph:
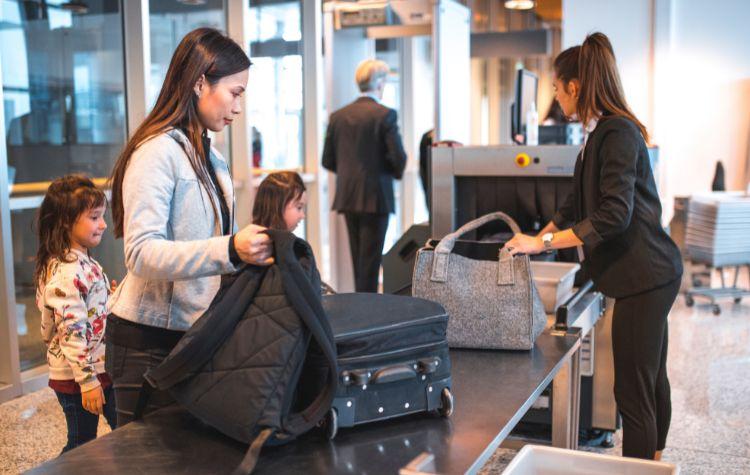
x,y
614,215
363,147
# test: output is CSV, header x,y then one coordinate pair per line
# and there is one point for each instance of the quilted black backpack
x,y
238,366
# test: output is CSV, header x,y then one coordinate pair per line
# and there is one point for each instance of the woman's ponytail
x,y
601,90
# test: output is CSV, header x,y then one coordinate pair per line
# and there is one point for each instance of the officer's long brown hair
x,y
593,65
204,51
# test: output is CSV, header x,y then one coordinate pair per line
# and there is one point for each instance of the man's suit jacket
x,y
615,210
363,147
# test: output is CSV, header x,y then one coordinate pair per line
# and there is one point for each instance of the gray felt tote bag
x,y
492,304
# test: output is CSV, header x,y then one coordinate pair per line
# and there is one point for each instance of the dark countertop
x,y
492,390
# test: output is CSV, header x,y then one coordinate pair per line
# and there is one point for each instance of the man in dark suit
x,y
363,147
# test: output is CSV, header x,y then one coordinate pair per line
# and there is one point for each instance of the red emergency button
x,y
523,160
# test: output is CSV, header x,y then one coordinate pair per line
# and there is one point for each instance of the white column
x,y
408,183
137,44
451,36
476,94
494,99
239,132
418,116
10,376
312,70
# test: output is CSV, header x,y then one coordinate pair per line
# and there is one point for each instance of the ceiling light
x,y
79,8
519,4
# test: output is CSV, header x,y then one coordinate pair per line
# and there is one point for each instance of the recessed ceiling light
x,y
519,4
79,8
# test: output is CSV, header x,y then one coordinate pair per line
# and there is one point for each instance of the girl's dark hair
x,y
204,51
593,65
274,194
66,199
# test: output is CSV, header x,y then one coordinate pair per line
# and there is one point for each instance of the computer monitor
x,y
526,90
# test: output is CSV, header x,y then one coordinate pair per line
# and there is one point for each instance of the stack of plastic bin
x,y
717,228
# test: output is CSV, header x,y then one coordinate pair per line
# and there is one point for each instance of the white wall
x,y
703,93
627,23
686,73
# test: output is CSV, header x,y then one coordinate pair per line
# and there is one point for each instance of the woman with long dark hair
x,y
614,214
173,204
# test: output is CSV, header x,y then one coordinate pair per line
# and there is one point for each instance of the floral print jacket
x,y
73,303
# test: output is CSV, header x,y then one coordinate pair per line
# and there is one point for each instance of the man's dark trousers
x,y
366,239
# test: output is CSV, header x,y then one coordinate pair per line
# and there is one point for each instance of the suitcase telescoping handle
x,y
445,247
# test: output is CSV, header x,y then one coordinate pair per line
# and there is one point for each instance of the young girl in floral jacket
x,y
72,293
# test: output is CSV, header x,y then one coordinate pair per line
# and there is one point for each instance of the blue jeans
x,y
81,423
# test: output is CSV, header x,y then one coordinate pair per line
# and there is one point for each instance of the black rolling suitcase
x,y
392,356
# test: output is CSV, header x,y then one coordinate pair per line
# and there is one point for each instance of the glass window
x,y
273,20
275,86
169,22
64,105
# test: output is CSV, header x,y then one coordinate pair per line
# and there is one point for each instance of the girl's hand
x,y
93,400
523,244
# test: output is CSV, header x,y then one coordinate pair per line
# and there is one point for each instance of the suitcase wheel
x,y
331,423
446,409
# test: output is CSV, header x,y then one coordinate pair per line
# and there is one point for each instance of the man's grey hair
x,y
370,73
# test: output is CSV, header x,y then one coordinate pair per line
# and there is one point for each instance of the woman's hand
x,y
253,245
523,244
93,400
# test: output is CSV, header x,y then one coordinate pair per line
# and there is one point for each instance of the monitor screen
x,y
526,90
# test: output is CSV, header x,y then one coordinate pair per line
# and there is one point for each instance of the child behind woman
x,y
280,202
72,293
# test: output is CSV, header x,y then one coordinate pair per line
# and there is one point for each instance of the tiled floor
x,y
32,431
709,371
709,368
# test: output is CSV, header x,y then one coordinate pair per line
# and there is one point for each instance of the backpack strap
x,y
306,301
253,452
143,396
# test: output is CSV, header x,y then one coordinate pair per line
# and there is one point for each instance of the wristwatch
x,y
547,241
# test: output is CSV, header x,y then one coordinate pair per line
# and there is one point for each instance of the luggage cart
x,y
724,292
716,225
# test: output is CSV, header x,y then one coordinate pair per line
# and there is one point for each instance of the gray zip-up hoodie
x,y
174,249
